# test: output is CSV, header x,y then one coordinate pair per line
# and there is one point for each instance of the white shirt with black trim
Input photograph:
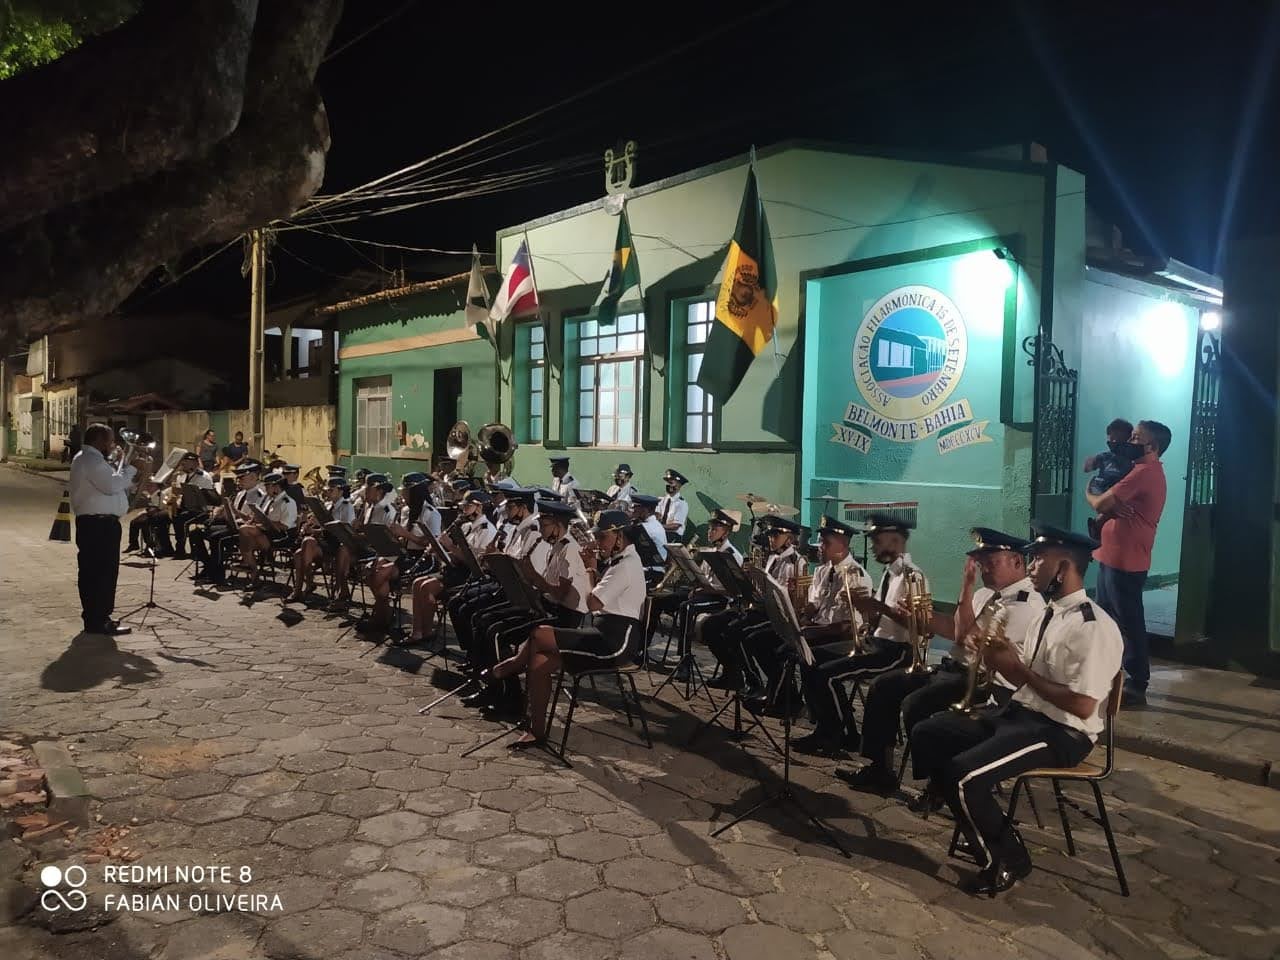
x,y
1082,649
673,508
566,487
657,534
564,562
382,512
620,494
343,510
479,533
896,572
828,595
621,588
1023,605
429,518
282,510
784,566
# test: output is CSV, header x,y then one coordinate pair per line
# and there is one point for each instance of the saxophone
x,y
988,630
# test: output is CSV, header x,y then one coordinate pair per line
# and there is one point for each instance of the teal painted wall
x,y
412,372
1138,362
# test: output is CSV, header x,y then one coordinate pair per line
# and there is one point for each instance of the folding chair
x,y
618,670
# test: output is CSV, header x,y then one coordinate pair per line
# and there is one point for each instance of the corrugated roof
x,y
384,296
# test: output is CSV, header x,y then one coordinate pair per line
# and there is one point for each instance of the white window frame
x,y
698,407
604,354
537,373
373,418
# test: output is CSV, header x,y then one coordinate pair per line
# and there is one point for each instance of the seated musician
x,y
619,492
377,496
1064,670
830,621
210,545
642,507
279,532
702,601
562,483
471,524
498,503
149,530
316,544
383,572
913,696
616,598
189,472
741,640
297,493
357,491
673,509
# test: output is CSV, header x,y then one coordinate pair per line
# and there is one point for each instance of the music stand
x,y
319,510
782,617
688,662
194,502
646,549
150,604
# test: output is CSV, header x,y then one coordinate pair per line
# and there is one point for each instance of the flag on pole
x,y
746,308
518,295
477,309
624,273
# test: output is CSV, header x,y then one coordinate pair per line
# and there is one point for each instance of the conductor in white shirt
x,y
99,498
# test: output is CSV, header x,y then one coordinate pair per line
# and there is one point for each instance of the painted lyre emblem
x,y
619,168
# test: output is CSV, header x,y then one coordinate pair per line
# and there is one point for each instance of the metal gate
x,y
1053,438
1195,567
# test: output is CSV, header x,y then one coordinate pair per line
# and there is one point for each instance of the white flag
x,y
477,309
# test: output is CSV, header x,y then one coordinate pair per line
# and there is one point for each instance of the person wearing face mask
x,y
1111,464
620,491
1131,510
673,510
1063,670
998,559
475,528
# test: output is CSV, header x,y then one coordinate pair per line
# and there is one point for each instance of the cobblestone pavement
x,y
240,738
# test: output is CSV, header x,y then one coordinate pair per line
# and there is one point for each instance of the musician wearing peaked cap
x,y
562,482
673,510
210,545
620,491
471,525
914,695
642,507
318,545
1064,671
280,529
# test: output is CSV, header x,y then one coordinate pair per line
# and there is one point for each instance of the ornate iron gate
x,y
1053,438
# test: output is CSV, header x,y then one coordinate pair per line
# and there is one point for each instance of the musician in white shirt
x,y
209,545
474,527
99,498
562,483
317,544
620,491
279,530
673,510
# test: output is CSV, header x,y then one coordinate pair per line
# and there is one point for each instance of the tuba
x,y
988,630
497,444
312,483
919,625
459,446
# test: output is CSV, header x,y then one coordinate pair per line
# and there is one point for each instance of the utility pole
x,y
257,323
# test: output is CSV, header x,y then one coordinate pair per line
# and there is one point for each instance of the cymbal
x,y
825,496
778,510
751,498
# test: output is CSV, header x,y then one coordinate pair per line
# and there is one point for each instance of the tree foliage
x,y
36,33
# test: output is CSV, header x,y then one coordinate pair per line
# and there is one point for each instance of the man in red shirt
x,y
1131,509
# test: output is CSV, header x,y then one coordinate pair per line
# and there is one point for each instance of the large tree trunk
x,y
189,183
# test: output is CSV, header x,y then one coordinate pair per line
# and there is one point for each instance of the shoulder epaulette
x,y
1022,597
1086,611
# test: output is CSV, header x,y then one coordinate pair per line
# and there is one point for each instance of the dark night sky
x,y
1152,101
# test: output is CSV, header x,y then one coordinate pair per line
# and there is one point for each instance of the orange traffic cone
x,y
62,522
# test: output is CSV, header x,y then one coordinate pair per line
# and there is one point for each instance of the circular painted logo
x,y
909,352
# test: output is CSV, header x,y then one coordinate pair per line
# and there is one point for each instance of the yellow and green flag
x,y
746,308
624,273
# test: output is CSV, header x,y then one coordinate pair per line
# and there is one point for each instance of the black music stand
x,y
749,588
319,510
693,678
145,608
783,618
196,501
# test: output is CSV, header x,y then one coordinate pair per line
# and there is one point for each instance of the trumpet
x,y
919,603
988,631
860,632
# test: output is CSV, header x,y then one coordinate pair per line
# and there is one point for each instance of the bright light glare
x,y
980,281
1210,321
1162,331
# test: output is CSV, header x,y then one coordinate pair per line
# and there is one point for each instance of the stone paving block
x,y
408,779
211,809
314,934
416,927
475,950
356,745
315,831
666,943
429,855
465,886
216,936
625,823
800,913
342,780
346,859
514,851
573,946
679,845
738,883
367,802
762,941
476,781
582,802
557,879
474,824
700,909
392,828
438,801
418,745
512,800
610,914
246,765
380,760
547,822
288,806
379,891
593,847
643,875
516,920
266,784
861,944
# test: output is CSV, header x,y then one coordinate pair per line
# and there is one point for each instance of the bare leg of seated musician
x,y
252,541
341,573
379,580
539,657
426,597
304,569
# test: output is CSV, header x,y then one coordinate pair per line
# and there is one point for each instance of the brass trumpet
x,y
988,630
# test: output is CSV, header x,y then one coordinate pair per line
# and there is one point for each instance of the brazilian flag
x,y
746,311
624,273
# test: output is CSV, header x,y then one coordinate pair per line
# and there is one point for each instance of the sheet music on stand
x,y
782,615
319,510
646,550
346,535
382,540
261,519
726,568
689,567
170,464
519,592
193,500
469,559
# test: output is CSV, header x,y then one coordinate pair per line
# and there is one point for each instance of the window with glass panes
x,y
537,381
373,417
609,371
699,407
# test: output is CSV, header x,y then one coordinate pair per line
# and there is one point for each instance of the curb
x,y
1253,770
46,474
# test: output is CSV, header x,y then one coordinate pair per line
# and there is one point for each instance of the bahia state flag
x,y
518,295
746,311
477,308
624,273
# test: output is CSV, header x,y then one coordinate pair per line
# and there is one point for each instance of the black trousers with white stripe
x,y
834,665
966,757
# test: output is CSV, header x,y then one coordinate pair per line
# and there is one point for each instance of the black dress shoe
x,y
817,745
113,629
875,778
1133,697
926,803
992,880
724,682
